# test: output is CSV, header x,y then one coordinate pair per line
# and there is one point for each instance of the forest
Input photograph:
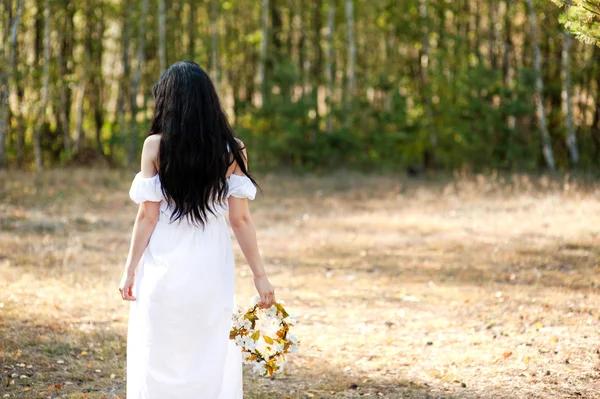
x,y
311,84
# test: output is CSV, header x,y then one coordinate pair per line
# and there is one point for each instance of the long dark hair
x,y
197,144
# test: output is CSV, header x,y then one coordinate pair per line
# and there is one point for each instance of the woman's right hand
x,y
266,292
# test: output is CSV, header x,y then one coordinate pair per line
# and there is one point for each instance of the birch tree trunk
x,y
83,82
351,64
214,35
566,96
162,36
97,81
262,59
192,30
63,113
329,64
137,76
5,91
506,69
41,115
126,65
493,12
79,110
539,87
429,156
595,128
303,63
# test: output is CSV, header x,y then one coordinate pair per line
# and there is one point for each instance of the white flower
x,y
292,338
246,358
259,368
238,340
293,348
281,302
271,312
255,300
237,323
247,324
277,347
291,319
280,362
274,323
249,344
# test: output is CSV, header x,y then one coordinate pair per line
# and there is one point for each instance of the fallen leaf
x,y
506,355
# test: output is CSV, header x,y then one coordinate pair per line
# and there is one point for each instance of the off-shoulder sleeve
x,y
241,187
146,189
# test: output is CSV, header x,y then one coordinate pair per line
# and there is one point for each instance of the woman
x,y
182,293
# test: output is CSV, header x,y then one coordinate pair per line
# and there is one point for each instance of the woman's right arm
x,y
245,233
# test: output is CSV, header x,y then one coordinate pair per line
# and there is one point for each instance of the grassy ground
x,y
470,287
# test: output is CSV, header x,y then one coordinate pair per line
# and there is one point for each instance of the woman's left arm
x,y
145,221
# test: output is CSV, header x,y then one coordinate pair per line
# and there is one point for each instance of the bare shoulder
x,y
150,150
241,144
152,143
234,168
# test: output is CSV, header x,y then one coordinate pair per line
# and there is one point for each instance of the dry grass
x,y
468,287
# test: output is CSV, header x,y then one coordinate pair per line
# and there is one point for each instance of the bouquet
x,y
267,354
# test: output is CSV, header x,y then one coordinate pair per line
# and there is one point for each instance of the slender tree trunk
x,y
83,81
329,64
566,96
7,81
41,118
303,63
214,36
79,111
506,69
493,12
123,82
4,79
316,68
391,57
262,59
135,83
20,125
64,36
192,30
430,155
595,130
539,86
98,92
351,64
162,36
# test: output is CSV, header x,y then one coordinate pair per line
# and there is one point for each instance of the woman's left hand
x,y
126,287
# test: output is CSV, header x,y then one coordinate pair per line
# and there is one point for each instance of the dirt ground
x,y
459,287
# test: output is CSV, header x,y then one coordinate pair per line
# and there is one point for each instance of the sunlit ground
x,y
466,287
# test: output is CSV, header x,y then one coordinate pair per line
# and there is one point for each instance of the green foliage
x,y
437,83
582,18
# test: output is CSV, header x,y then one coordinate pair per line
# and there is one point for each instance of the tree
x,y
539,86
214,35
162,36
582,18
6,82
351,64
430,155
328,63
137,76
566,98
41,115
262,58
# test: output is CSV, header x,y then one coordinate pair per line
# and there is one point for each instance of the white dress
x,y
178,343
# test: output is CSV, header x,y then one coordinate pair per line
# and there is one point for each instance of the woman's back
x,y
180,270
